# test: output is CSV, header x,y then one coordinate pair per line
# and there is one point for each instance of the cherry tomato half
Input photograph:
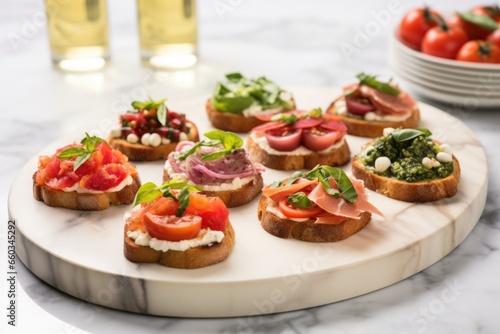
x,y
444,42
317,140
415,24
479,52
494,37
172,228
286,139
293,212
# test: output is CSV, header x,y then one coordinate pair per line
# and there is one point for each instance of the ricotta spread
x,y
207,237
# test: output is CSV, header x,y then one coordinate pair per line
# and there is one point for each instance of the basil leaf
x,y
161,114
326,185
482,21
147,193
71,152
183,198
193,149
371,81
229,140
295,176
138,105
300,200
275,184
345,185
91,142
234,76
233,105
81,160
402,135
215,155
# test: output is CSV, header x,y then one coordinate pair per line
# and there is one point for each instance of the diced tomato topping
x,y
108,177
212,210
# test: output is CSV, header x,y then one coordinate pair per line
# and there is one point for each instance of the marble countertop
x,y
303,44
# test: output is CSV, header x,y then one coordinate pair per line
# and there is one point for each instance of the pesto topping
x,y
406,157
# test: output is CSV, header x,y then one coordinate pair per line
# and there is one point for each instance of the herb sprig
x,y
228,140
402,135
159,105
371,81
82,153
149,191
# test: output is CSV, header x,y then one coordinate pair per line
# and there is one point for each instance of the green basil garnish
x,y
228,140
82,153
147,193
346,188
371,81
482,21
300,200
402,135
161,108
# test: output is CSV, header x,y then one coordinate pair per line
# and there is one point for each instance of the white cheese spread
x,y
207,237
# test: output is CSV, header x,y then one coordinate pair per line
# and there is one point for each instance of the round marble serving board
x,y
81,253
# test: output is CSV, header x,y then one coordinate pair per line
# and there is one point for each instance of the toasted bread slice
x,y
308,230
372,129
338,157
139,152
231,122
85,201
235,197
424,191
191,258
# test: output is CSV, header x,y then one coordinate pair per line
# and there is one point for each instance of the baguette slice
x,y
191,258
139,152
86,201
308,230
372,129
338,157
236,197
231,122
425,191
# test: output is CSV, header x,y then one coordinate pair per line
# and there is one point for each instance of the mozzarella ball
x,y
145,139
382,163
154,139
132,138
444,157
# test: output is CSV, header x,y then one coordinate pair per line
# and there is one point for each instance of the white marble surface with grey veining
x,y
294,44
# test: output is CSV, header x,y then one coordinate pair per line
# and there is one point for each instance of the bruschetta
x,y
237,102
219,166
369,106
176,226
408,165
322,205
151,131
299,140
89,175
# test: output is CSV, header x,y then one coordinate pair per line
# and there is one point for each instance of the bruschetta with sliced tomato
x,y
176,226
322,205
369,106
89,175
299,140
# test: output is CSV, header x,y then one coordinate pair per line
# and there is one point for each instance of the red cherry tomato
x,y
479,52
494,37
334,125
172,228
357,106
293,212
444,42
491,11
415,24
317,140
472,30
284,139
305,123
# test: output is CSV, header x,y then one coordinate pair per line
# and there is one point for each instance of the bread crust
x,y
196,257
338,157
139,152
372,129
85,201
309,230
231,122
425,191
236,197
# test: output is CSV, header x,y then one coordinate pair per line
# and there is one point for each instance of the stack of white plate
x,y
449,81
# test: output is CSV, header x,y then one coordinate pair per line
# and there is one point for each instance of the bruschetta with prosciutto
x,y
369,106
322,205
